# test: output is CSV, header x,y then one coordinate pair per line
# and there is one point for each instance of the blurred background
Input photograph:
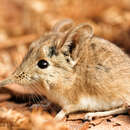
x,y
23,21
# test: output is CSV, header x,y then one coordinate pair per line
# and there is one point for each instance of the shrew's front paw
x,y
89,116
60,115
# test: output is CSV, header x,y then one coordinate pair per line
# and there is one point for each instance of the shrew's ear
x,y
76,40
63,25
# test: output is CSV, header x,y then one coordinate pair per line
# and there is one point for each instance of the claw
x,y
89,116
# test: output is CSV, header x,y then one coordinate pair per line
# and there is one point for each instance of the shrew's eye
x,y
42,64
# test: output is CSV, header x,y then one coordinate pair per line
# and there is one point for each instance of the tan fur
x,y
84,73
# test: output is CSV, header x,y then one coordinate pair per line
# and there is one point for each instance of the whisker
x,y
38,88
33,98
24,92
37,97
46,104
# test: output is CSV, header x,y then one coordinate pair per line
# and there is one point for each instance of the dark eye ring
x,y
42,64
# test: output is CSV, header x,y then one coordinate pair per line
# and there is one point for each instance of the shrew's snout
x,y
21,75
9,80
17,77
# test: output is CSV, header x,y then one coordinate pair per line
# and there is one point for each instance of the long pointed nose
x,y
6,81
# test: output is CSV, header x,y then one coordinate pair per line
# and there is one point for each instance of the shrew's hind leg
x,y
89,116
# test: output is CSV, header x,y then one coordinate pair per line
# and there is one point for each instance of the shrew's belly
x,y
95,104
